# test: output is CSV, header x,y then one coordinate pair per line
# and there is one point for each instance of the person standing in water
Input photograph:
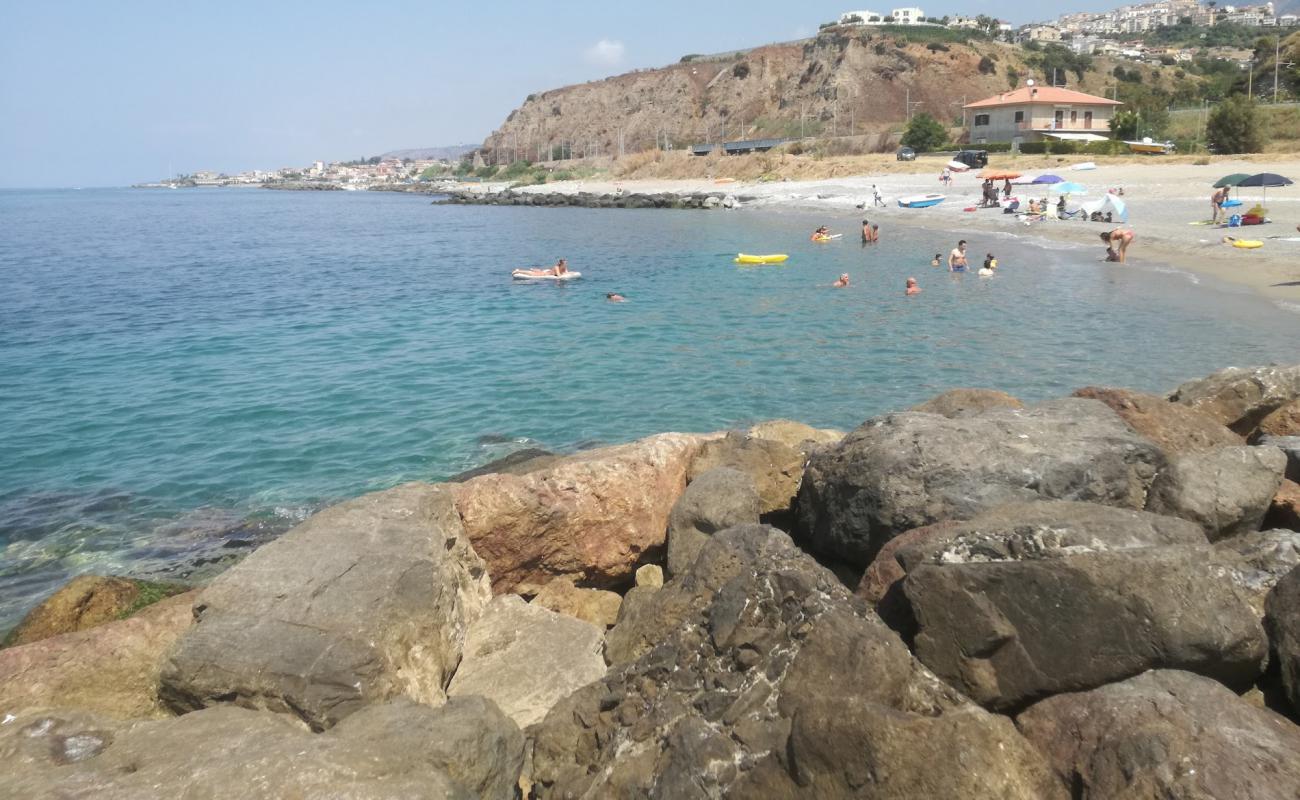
x,y
957,258
1117,242
912,287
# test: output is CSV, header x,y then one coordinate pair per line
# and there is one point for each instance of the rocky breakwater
x,y
512,197
977,598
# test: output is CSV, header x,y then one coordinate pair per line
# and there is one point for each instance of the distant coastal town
x,y
387,172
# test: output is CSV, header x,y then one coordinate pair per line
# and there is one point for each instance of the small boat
x,y
920,201
1148,147
775,258
525,275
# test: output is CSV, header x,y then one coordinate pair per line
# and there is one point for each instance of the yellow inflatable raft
x,y
778,258
1247,244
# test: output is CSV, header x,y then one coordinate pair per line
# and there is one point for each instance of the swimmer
x,y
990,266
912,288
820,233
1117,242
957,258
937,260
842,281
615,297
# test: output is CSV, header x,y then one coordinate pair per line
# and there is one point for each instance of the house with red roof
x,y
1033,113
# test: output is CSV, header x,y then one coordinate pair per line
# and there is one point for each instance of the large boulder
x,y
956,403
1241,397
903,471
525,658
1046,529
520,462
593,517
597,606
1226,491
1166,734
1290,445
775,468
1283,622
804,438
112,669
1176,428
365,601
762,677
1283,421
1256,561
1284,511
1010,633
465,749
84,602
715,500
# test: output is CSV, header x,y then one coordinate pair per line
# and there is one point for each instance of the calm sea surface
x,y
185,373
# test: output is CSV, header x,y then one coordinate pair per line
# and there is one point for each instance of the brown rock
x,y
1241,397
83,602
794,434
593,517
1285,510
1285,421
1176,428
967,402
885,570
651,575
111,669
597,606
775,468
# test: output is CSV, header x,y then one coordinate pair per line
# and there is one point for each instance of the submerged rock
x,y
1166,734
87,601
1241,397
365,601
756,674
1176,428
904,471
715,500
1226,491
956,403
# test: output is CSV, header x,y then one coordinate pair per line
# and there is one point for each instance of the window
x,y
1074,117
1020,116
1060,118
981,119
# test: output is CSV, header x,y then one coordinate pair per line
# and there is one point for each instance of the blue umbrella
x,y
1264,180
1047,179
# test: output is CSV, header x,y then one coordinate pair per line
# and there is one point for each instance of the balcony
x,y
1050,125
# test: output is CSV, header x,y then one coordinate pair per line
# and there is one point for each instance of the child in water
x,y
937,260
990,266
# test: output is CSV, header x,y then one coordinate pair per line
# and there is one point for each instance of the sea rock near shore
x,y
775,468
715,500
1285,421
763,677
801,437
82,603
597,606
1284,511
365,601
1010,633
520,462
956,403
1226,491
1166,734
1283,622
593,517
1241,397
903,471
112,669
1176,428
399,751
1290,445
1256,561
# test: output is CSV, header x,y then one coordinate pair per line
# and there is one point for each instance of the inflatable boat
x,y
832,237
920,201
525,275
775,258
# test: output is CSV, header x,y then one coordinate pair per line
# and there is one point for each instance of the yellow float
x,y
1247,244
776,258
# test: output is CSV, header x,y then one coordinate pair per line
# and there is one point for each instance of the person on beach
x,y
957,258
912,287
1117,242
1216,204
937,260
1060,208
842,281
946,177
614,297
1006,189
876,199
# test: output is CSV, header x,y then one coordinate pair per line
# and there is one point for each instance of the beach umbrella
x,y
999,175
1048,179
1264,180
1234,179
1069,187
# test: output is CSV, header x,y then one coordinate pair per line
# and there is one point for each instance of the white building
x,y
898,16
907,16
861,18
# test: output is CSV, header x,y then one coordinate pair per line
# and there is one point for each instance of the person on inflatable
x,y
821,233
560,268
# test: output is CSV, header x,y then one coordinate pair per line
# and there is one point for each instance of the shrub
x,y
485,172
937,47
925,133
740,71
987,67
1013,78
1233,127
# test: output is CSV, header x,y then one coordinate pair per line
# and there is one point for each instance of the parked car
x,y
906,154
973,158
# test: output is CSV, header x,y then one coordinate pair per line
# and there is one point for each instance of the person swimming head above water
x,y
937,260
614,297
842,281
912,287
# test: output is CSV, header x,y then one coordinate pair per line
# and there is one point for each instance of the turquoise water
x,y
184,373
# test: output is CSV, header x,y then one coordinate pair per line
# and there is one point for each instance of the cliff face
x,y
840,82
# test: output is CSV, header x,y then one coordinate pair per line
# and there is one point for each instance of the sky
x,y
113,93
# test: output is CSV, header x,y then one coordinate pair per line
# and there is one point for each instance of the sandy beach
x,y
1165,199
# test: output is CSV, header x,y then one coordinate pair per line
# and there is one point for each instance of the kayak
x,y
525,275
827,238
775,258
920,200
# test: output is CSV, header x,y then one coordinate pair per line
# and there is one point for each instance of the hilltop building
x,y
898,16
1034,113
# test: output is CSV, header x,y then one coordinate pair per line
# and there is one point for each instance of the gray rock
x,y
1290,445
903,471
1283,622
1241,397
525,658
365,601
764,678
1010,633
775,468
651,575
1176,428
1166,734
956,403
714,500
466,749
1258,560
1226,491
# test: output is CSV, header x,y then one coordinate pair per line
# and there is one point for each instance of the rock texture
x,y
1284,421
520,462
466,749
715,500
1283,623
1241,397
365,601
81,603
112,669
1010,633
1256,561
804,438
762,677
775,468
1176,428
1284,511
956,403
593,517
1166,734
1226,491
650,575
1290,445
904,471
597,606
525,658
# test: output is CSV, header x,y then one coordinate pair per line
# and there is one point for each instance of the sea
x,y
185,374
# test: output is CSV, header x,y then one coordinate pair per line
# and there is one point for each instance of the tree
x,y
853,19
1013,78
1233,127
987,67
1124,125
925,133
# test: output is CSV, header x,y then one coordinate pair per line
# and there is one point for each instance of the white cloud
x,y
606,53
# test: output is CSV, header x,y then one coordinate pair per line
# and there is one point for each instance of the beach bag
x,y
1234,221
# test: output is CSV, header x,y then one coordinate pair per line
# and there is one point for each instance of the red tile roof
x,y
1042,94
